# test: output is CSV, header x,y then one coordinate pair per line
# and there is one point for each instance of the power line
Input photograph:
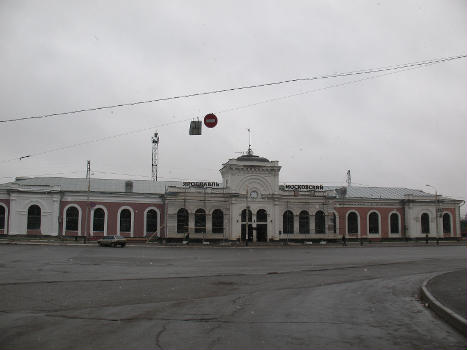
x,y
211,92
136,131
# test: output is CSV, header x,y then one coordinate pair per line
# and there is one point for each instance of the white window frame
x,y
347,222
145,220
132,219
79,217
91,228
5,229
450,222
430,228
368,224
399,222
41,206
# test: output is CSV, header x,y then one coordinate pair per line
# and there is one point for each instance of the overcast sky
x,y
406,129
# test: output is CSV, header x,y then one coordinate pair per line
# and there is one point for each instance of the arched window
x,y
200,221
373,223
34,217
334,222
287,222
352,223
72,218
182,221
320,222
151,221
2,217
125,220
304,222
425,222
217,221
446,223
244,215
261,216
394,222
98,224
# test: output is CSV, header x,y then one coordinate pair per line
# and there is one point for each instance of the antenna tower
x,y
155,155
349,179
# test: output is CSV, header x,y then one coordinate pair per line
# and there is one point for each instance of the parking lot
x,y
86,297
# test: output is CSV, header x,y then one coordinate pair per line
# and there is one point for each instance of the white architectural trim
x,y
5,229
255,182
337,221
158,220
368,224
347,223
132,229
399,224
64,217
91,223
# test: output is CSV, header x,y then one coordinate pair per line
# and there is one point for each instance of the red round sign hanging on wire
x,y
210,120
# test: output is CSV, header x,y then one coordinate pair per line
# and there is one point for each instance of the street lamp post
x,y
436,212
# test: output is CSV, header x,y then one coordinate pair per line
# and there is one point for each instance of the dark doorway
x,y
262,232
261,225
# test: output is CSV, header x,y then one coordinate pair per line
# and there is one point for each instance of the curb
x,y
252,246
455,320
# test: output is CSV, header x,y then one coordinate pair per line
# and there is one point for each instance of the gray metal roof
x,y
97,185
381,192
159,187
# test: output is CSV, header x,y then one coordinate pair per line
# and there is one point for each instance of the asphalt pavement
x,y
139,297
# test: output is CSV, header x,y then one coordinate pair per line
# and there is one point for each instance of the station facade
x,y
250,203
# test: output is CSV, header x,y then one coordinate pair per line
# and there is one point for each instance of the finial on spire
x,y
250,152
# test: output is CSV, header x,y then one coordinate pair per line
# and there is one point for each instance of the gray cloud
x,y
405,129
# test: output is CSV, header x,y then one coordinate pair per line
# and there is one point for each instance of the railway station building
x,y
250,203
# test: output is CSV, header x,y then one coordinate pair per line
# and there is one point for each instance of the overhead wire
x,y
135,131
254,86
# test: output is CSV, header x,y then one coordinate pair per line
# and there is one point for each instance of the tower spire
x,y
349,179
250,152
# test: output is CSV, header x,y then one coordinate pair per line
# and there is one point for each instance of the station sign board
x,y
302,187
200,184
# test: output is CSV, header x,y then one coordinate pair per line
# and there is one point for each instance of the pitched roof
x,y
97,185
383,192
159,187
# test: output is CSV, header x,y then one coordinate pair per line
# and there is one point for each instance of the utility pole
x,y
155,155
88,207
436,212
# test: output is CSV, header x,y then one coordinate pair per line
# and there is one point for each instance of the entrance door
x,y
261,225
262,232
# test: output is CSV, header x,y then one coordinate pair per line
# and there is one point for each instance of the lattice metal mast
x,y
155,155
